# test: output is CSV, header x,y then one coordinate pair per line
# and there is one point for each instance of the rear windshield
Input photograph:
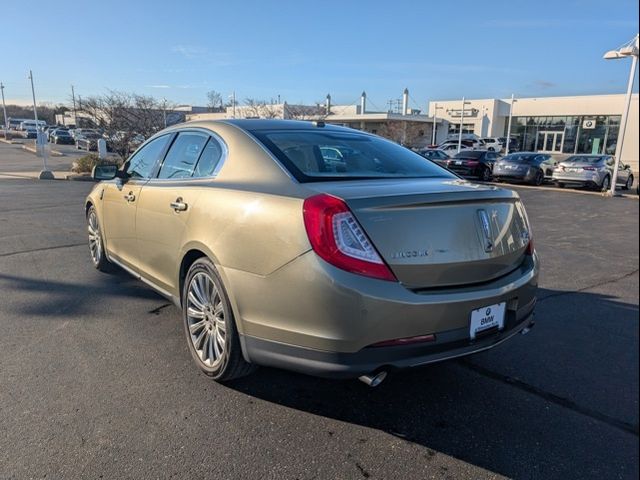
x,y
584,159
312,156
518,158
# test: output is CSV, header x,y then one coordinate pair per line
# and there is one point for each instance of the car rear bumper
x,y
326,325
584,179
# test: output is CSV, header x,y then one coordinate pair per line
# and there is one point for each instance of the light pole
x,y
435,114
4,110
75,115
506,147
629,49
45,174
461,124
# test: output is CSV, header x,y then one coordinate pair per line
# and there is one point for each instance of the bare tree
x,y
123,117
305,112
214,101
260,109
409,134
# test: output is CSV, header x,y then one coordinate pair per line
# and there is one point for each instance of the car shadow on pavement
x,y
39,297
539,406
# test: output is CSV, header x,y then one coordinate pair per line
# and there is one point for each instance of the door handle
x,y
178,205
130,197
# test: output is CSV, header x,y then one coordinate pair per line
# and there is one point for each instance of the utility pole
x,y
4,109
435,115
233,103
461,125
75,115
45,174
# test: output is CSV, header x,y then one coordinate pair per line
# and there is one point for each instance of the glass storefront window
x,y
567,134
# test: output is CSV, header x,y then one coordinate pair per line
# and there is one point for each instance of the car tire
x,y
209,324
606,184
485,175
560,184
96,243
629,184
539,178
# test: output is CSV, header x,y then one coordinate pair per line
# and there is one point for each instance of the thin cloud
x,y
159,86
544,84
190,51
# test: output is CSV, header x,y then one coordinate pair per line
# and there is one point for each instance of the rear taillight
x,y
530,248
591,169
337,237
472,163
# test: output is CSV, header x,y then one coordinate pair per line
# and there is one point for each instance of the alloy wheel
x,y
206,320
606,184
95,240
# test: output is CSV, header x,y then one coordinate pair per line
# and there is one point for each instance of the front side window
x,y
183,155
360,156
142,163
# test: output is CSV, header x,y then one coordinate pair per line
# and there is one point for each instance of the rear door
x,y
167,200
121,199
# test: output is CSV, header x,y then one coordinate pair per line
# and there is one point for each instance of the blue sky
x,y
301,50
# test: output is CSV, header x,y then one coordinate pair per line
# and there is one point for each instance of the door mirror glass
x,y
104,172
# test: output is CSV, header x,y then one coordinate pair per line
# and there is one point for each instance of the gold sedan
x,y
315,248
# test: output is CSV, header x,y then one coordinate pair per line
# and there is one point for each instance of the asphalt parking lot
x,y
96,380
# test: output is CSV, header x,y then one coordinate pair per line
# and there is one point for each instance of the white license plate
x,y
487,317
458,162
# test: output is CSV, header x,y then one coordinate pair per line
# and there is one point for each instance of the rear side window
x,y
183,155
209,160
142,163
357,156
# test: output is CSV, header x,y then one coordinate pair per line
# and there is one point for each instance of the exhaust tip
x,y
528,328
373,380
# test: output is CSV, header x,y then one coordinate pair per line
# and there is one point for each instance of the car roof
x,y
259,124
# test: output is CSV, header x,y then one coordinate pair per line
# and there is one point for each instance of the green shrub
x,y
85,164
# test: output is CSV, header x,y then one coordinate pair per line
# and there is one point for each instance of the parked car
x,y
529,167
495,144
61,136
594,171
30,132
275,260
87,140
451,147
474,163
436,155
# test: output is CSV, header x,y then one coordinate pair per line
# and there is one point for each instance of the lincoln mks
x,y
315,248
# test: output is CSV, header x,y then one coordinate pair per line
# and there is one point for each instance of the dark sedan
x,y
436,155
473,163
528,167
60,136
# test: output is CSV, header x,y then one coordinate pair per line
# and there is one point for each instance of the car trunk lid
x,y
439,233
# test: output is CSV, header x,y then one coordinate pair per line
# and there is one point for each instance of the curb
x,y
76,177
9,142
53,153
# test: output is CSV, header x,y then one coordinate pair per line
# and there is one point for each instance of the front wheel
x,y
209,324
539,179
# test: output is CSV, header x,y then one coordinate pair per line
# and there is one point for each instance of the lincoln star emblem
x,y
486,230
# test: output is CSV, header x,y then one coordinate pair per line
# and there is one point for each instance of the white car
x,y
495,144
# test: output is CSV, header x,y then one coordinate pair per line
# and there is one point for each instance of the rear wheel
x,y
629,184
606,184
485,175
209,324
96,245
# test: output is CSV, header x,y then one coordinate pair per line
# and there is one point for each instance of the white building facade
x,y
558,125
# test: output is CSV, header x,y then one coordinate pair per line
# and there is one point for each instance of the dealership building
x,y
558,125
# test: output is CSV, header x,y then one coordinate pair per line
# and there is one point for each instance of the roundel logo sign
x,y
589,124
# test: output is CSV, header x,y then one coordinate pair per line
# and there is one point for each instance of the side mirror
x,y
104,172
